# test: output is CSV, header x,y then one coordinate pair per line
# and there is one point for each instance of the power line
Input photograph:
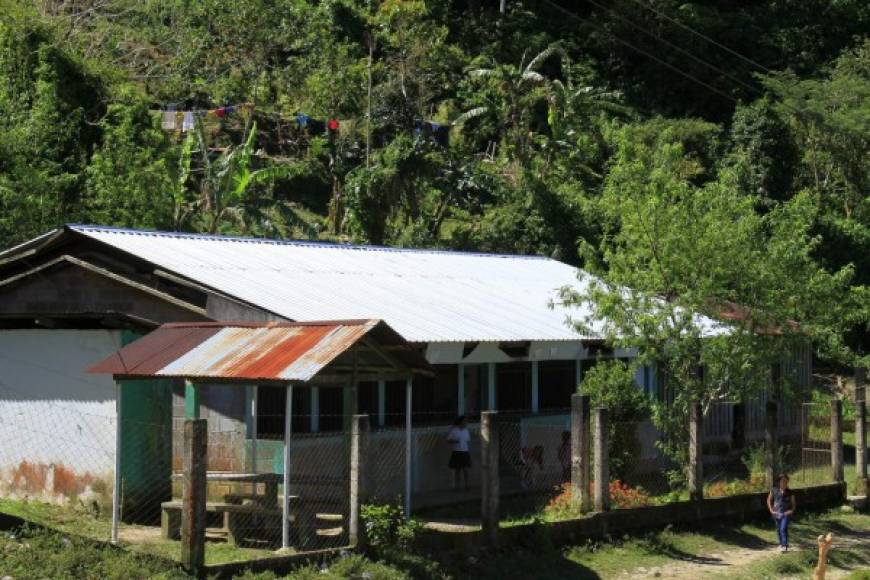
x,y
643,52
702,35
676,47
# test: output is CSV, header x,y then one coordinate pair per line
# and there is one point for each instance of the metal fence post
x,y
860,432
359,443
602,471
837,440
489,457
194,495
580,452
696,460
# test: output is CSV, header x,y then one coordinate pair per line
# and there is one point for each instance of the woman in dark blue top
x,y
781,503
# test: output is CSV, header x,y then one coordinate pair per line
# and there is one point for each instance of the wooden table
x,y
236,513
270,479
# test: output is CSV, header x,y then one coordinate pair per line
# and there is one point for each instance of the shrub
x,y
386,526
622,496
755,483
611,384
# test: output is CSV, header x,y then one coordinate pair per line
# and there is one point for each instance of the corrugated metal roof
x,y
274,351
425,295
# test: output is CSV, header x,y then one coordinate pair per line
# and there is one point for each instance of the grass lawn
x,y
701,552
740,551
139,539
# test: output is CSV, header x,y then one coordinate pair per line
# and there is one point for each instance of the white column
x,y
535,387
408,486
116,489
460,407
490,389
314,419
382,403
254,429
288,425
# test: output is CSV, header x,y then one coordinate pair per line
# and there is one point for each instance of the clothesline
x,y
184,120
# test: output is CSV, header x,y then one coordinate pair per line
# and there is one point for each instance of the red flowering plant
x,y
622,496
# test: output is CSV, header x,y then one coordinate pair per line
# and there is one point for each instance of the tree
x,y
128,181
232,194
701,285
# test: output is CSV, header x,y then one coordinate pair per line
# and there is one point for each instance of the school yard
x,y
740,551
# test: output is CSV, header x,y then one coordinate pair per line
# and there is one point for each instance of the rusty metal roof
x,y
254,352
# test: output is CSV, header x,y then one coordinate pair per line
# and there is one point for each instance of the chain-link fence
x,y
814,465
64,454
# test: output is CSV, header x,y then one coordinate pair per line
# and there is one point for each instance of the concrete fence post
x,y
771,412
359,445
489,512
860,432
195,461
601,476
696,460
580,492
837,440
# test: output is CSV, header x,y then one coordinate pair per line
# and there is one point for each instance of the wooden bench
x,y
237,518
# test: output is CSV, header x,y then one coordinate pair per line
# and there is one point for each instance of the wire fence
x,y
64,453
814,465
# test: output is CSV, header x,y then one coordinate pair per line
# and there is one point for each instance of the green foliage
x,y
37,553
611,384
349,566
679,242
563,143
386,526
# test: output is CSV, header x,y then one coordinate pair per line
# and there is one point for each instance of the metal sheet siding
x,y
426,296
327,348
274,352
152,352
258,353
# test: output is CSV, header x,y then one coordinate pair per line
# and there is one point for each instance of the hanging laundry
x,y
315,127
441,134
220,112
302,120
168,123
230,110
332,124
187,124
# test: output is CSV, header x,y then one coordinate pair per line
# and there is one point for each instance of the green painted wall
x,y
146,445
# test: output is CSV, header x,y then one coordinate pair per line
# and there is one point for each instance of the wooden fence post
x,y
696,459
837,440
602,472
770,442
194,496
359,445
860,432
580,492
489,471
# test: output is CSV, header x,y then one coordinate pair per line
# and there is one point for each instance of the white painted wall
x,y
51,412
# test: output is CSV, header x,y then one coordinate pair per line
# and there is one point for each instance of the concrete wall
x,y
57,423
223,406
739,508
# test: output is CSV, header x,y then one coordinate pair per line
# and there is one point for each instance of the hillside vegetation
x,y
585,131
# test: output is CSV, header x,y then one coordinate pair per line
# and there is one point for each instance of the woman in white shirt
x,y
460,458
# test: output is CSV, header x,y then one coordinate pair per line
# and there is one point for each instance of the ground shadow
x,y
542,564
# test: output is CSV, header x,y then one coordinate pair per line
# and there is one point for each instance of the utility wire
x,y
641,51
702,35
677,48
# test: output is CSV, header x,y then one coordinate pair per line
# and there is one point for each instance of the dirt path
x,y
730,562
702,566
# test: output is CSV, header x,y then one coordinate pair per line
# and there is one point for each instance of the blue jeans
x,y
782,529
